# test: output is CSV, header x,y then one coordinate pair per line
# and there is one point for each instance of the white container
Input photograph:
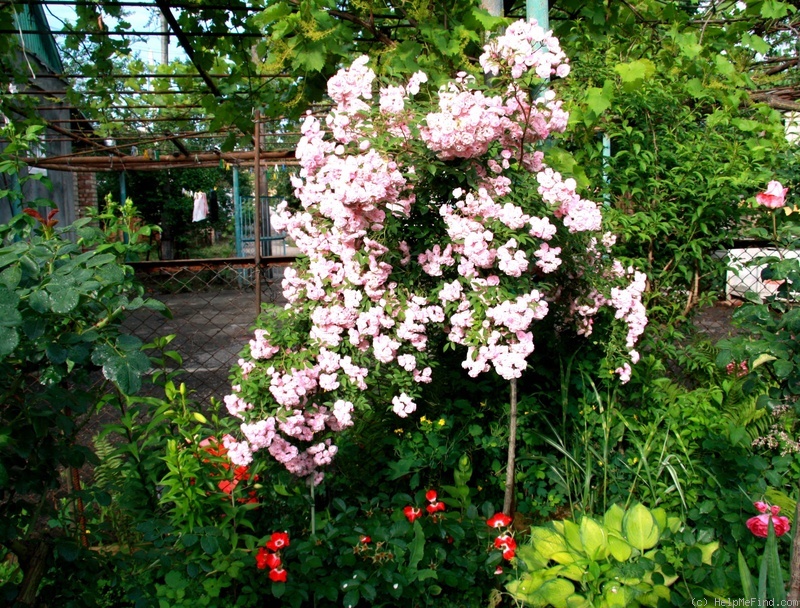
x,y
744,274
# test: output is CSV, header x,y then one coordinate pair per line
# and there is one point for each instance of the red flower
x,y
261,558
273,561
759,525
431,495
278,575
241,473
498,520
227,485
507,544
278,541
365,539
504,542
435,506
412,513
498,570
213,447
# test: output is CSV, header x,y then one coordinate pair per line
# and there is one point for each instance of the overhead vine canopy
x,y
276,55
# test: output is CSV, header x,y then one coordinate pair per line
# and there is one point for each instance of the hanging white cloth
x,y
200,207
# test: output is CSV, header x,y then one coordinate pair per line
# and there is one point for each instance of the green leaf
x,y
696,88
39,301
551,545
597,100
761,360
63,299
351,598
773,9
708,550
783,368
176,580
613,518
9,315
688,44
9,339
209,544
555,592
619,548
594,539
640,528
747,125
417,547
748,584
11,276
777,590
757,43
634,73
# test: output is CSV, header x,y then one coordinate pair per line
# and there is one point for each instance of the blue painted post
x,y
237,214
538,10
123,194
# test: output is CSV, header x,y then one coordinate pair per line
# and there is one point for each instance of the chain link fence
x,y
213,304
743,268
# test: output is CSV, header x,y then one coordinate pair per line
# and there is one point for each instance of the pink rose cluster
x,y
759,525
490,266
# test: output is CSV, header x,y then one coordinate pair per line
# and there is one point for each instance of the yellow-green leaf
x,y
594,539
640,528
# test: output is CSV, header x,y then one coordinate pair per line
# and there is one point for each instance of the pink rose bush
x,y
427,216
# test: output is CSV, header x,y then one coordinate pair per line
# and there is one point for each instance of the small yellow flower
x,y
423,420
441,422
399,431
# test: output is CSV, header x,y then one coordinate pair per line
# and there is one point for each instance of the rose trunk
x,y
508,501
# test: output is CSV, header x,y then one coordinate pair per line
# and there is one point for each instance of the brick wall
x,y
86,184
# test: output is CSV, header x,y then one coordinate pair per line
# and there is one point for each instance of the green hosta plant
x,y
591,563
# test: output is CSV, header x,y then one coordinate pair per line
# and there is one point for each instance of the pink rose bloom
x,y
759,525
774,197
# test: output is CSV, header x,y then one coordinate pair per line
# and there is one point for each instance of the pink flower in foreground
x,y
759,525
774,197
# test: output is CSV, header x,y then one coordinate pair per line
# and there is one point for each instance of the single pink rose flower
x,y
761,507
759,525
774,197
